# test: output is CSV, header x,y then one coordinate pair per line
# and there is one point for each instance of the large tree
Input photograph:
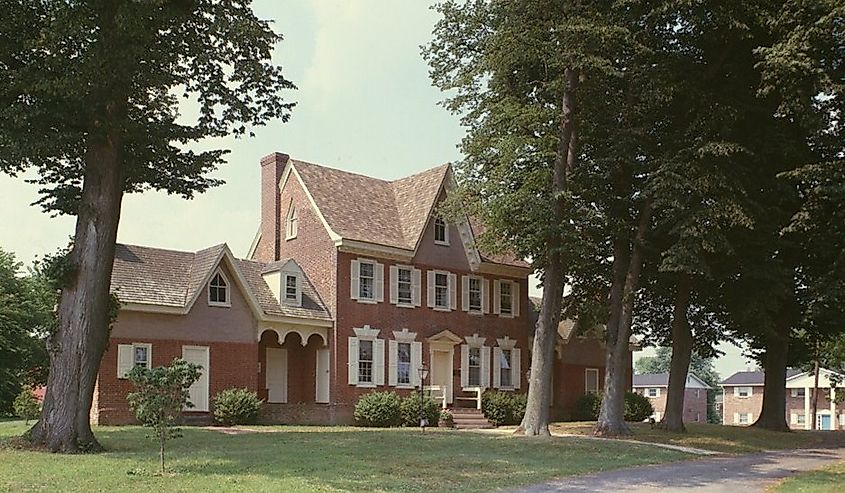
x,y
90,98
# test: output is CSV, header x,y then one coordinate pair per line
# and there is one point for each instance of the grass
x,y
830,478
727,439
299,459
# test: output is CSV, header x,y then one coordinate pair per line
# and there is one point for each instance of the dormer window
x,y
441,232
218,290
292,226
292,289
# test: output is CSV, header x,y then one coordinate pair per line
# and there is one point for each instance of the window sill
x,y
405,386
288,238
366,385
220,305
442,243
506,315
405,305
507,389
475,312
441,309
366,301
291,303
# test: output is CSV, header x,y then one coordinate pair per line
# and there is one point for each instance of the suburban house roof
x,y
752,378
662,380
806,379
174,279
388,213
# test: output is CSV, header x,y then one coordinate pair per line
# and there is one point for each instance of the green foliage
x,y
160,395
236,407
637,407
587,407
411,410
447,418
503,408
26,405
379,410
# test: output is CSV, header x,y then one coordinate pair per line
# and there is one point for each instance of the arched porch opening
x,y
288,366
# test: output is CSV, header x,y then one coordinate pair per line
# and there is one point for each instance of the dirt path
x,y
731,474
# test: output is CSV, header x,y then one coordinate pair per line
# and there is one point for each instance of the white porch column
x,y
807,420
834,419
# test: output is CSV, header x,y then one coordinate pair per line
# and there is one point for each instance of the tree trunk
x,y
536,419
673,418
626,276
773,413
77,346
815,393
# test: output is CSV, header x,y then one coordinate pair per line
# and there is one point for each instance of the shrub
x,y
411,410
637,407
26,405
587,407
503,408
236,407
447,418
378,409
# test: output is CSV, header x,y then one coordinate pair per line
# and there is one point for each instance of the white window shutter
x,y
794,392
736,418
750,391
465,293
125,357
149,355
658,391
497,302
516,368
354,285
352,370
453,291
416,288
378,361
393,350
497,367
394,284
736,391
298,290
485,296
750,418
515,299
793,418
416,362
430,289
379,281
485,367
464,365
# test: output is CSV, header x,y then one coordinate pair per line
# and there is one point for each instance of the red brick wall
x,y
302,365
272,166
734,404
695,407
231,365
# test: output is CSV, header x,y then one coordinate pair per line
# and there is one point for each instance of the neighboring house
x,y
743,400
656,385
579,364
352,284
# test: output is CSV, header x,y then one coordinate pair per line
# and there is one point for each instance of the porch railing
x,y
437,392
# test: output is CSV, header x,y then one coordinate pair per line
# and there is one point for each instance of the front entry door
x,y
198,391
276,376
824,422
441,371
322,376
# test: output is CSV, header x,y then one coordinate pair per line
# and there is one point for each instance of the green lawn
x,y
831,478
729,439
294,459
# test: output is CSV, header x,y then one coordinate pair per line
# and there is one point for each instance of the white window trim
x,y
451,292
292,222
738,391
587,371
475,341
367,333
404,336
508,344
497,298
378,281
648,392
484,294
124,367
228,302
444,242
284,280
416,286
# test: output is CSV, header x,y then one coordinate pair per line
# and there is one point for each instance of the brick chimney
x,y
272,166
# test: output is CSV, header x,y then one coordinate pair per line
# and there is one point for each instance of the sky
x,y
365,104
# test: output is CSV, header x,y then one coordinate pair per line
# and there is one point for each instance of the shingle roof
x,y
753,377
659,380
390,213
171,278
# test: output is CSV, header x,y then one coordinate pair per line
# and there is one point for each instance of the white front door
x,y
277,375
441,371
198,392
322,376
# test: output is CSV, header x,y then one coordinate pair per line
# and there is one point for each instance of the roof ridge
x,y
190,276
160,249
338,170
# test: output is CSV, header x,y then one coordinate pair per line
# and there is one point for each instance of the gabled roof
x,y
662,380
381,212
752,378
174,279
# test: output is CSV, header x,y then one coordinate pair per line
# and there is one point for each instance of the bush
x,y
587,407
378,409
236,407
447,418
637,407
503,408
26,405
411,410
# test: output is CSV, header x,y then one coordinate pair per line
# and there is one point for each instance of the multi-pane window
x,y
474,366
697,393
653,392
744,391
404,286
290,288
474,294
505,371
292,223
798,393
441,290
366,281
441,234
591,380
800,419
141,356
744,418
403,367
505,298
365,361
218,290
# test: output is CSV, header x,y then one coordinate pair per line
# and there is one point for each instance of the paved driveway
x,y
732,474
